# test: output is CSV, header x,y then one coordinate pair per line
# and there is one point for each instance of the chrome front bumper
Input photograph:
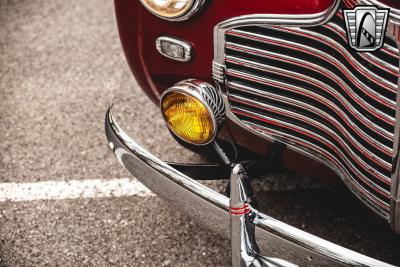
x,y
282,243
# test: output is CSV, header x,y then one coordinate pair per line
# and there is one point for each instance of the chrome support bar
x,y
242,230
244,249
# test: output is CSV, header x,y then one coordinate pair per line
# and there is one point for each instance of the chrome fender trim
x,y
275,239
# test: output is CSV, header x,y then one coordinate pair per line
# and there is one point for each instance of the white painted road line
x,y
94,188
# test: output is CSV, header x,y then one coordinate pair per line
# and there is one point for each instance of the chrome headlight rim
x,y
207,95
195,7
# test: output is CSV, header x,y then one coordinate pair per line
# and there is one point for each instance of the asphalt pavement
x,y
61,66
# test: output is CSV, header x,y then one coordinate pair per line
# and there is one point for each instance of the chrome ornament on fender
x,y
366,27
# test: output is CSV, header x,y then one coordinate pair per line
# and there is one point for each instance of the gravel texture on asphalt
x,y
61,65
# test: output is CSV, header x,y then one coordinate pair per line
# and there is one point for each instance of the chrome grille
x,y
306,87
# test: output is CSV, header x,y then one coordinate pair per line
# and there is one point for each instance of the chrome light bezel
x,y
195,7
208,95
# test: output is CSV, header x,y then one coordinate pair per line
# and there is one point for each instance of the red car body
x,y
139,30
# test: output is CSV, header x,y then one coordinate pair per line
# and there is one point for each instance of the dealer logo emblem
x,y
366,27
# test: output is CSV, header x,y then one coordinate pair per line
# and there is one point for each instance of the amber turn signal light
x,y
193,111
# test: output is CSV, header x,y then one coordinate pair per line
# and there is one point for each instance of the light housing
x,y
174,48
193,110
174,10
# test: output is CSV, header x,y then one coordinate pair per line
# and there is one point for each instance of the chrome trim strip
x,y
315,136
268,19
384,133
332,120
379,98
218,72
276,239
393,32
281,19
326,130
306,148
329,41
391,87
196,6
350,122
394,14
370,56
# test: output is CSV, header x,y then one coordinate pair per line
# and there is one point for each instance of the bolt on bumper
x,y
235,218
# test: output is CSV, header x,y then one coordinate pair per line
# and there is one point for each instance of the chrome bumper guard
x,y
250,231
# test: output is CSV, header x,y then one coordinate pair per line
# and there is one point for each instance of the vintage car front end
x,y
268,76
